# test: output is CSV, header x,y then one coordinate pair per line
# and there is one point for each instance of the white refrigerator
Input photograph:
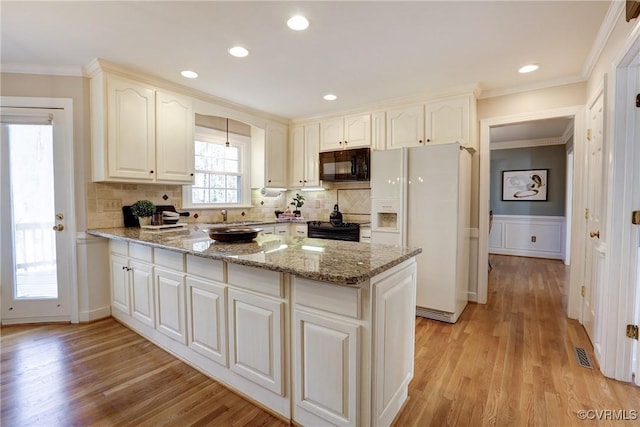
x,y
421,197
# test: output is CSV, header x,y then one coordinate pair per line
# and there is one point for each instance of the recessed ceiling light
x,y
238,52
298,23
528,68
330,97
189,74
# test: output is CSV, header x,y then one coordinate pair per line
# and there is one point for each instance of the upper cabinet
x,y
276,156
345,132
304,161
140,133
405,127
448,121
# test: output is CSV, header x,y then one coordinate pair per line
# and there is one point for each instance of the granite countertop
x,y
342,263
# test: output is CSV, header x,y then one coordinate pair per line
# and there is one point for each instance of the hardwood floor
x,y
507,363
511,362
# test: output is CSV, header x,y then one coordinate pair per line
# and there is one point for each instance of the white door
x,y
36,212
636,228
594,256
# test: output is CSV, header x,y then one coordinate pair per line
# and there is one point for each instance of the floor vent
x,y
583,357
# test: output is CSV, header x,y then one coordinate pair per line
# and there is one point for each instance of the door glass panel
x,y
33,211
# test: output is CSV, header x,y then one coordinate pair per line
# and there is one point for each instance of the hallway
x,y
511,362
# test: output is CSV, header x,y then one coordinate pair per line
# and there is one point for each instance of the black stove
x,y
348,231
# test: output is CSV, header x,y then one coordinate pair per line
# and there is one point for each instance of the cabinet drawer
x,y
119,247
257,280
336,299
169,259
205,268
141,252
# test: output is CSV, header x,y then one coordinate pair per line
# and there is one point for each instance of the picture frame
x,y
528,185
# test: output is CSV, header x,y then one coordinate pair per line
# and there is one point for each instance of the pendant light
x,y
226,144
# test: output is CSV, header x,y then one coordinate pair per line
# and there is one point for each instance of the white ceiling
x,y
364,52
534,130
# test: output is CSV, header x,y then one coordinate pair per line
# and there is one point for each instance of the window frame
x,y
244,144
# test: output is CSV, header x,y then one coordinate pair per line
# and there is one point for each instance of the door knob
x,y
58,227
595,234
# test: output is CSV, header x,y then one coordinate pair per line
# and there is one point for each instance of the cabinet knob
x,y
595,234
191,174
420,141
300,181
346,142
340,142
150,171
269,181
428,140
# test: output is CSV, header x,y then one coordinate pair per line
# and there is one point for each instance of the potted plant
x,y
143,210
297,203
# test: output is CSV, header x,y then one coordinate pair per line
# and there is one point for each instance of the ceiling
x,y
535,130
364,52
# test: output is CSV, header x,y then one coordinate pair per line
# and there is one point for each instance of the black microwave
x,y
346,165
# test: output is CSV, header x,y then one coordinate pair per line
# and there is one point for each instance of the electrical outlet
x,y
533,239
112,204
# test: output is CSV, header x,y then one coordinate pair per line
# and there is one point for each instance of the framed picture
x,y
525,185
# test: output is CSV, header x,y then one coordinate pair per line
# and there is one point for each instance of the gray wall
x,y
553,157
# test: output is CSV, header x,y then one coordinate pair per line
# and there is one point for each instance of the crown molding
x,y
523,143
53,70
615,11
564,81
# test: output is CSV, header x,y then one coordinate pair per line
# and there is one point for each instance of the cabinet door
x,y
120,283
357,131
297,160
448,121
130,130
276,156
312,155
394,317
207,319
142,292
405,127
256,339
299,230
331,134
174,138
267,229
326,373
169,287
378,133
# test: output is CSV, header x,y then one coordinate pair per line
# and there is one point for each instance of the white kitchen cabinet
x,y
326,373
120,283
275,156
378,130
448,121
345,132
170,306
143,306
207,320
266,229
299,230
256,339
304,163
405,127
174,138
365,234
281,229
139,133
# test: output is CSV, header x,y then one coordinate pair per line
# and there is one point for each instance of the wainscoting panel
x,y
532,236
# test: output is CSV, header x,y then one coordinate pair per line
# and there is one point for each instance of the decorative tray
x,y
176,226
233,234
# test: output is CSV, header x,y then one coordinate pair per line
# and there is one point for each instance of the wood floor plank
x,y
507,363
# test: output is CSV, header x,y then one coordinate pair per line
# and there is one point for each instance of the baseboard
x,y
93,315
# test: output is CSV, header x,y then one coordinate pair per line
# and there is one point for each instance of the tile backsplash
x,y
105,201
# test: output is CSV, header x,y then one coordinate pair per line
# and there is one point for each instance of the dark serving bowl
x,y
233,234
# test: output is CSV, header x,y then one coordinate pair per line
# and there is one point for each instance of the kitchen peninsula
x,y
318,331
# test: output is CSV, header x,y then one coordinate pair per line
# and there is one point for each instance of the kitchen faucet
x,y
224,215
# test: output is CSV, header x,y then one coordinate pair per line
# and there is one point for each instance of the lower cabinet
x,y
326,369
143,306
169,287
207,318
120,283
256,339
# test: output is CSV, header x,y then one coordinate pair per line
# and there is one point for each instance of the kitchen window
x,y
221,176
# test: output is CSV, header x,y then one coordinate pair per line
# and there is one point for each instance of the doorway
x,y
577,115
37,274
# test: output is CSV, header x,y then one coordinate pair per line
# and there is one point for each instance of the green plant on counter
x,y
143,208
298,201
